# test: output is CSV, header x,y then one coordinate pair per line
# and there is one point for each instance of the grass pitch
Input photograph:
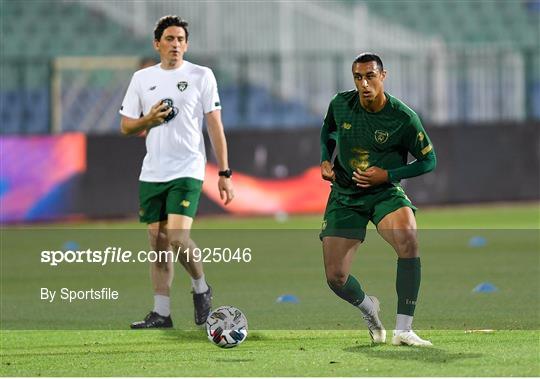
x,y
265,353
319,336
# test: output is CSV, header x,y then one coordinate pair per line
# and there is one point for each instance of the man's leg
x,y
338,253
162,271
398,228
178,231
161,275
179,228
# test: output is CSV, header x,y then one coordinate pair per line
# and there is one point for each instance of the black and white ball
x,y
226,327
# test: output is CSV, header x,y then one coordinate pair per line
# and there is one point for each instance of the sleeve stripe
x,y
426,149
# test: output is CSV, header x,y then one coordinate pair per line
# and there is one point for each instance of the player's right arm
x,y
155,117
328,144
131,110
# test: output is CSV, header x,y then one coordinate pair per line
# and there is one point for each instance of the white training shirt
x,y
174,149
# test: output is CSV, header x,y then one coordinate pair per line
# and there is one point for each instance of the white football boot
x,y
374,324
408,337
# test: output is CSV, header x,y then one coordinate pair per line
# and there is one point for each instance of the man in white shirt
x,y
174,96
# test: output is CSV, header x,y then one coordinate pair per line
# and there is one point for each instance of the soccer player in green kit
x,y
372,133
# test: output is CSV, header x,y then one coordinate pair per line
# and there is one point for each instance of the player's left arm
x,y
219,144
418,144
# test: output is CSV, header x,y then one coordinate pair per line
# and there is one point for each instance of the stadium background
x,y
471,69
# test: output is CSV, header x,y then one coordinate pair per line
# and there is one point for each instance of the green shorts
x,y
159,199
347,216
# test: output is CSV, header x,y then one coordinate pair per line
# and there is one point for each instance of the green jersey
x,y
383,139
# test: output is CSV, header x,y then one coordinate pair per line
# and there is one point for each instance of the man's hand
x,y
327,171
225,187
373,176
157,114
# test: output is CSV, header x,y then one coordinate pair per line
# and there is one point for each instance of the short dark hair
x,y
166,21
369,57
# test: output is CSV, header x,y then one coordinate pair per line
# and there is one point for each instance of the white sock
x,y
199,285
367,306
162,305
403,322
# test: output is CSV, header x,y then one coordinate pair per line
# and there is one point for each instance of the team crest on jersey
x,y
381,136
182,86
420,136
346,126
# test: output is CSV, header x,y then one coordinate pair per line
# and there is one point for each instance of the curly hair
x,y
166,21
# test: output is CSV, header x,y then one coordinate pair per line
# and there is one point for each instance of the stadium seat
x,y
513,23
12,110
480,20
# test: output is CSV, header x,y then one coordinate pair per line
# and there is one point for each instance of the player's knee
x,y
180,245
336,279
157,239
407,244
153,236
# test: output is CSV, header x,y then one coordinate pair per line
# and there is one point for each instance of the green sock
x,y
407,284
351,291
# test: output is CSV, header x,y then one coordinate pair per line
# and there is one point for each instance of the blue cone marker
x,y
287,299
485,287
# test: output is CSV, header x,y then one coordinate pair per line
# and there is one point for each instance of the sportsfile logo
x,y
119,255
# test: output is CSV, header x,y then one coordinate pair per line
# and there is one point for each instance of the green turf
x,y
269,353
286,259
504,216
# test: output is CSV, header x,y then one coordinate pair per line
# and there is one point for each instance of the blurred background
x,y
471,70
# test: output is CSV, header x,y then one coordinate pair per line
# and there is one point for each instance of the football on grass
x,y
226,327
